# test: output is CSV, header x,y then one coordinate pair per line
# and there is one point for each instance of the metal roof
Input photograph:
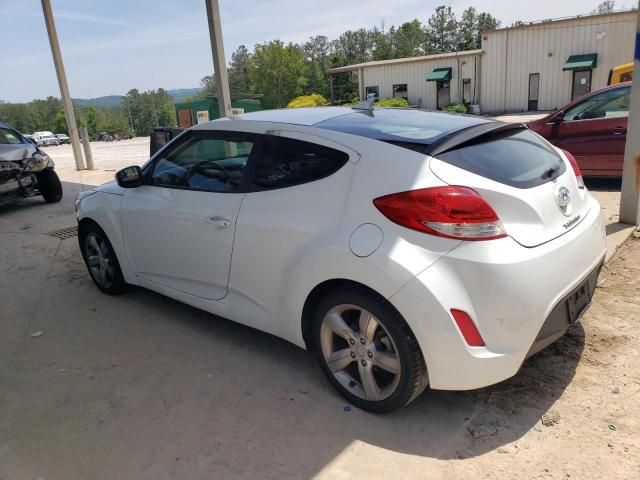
x,y
393,61
554,21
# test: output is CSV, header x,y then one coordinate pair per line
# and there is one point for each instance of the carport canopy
x,y
439,75
581,62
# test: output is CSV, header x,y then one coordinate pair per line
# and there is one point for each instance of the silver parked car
x,y
25,170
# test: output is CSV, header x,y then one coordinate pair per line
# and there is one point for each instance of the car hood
x,y
110,187
537,125
16,152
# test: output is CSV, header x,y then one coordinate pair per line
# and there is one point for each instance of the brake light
x,y
448,211
576,168
467,328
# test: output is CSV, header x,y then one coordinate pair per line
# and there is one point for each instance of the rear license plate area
x,y
578,301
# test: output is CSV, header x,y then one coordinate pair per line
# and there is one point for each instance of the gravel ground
x,y
106,155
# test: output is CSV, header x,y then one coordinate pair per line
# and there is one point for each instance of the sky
x,y
110,47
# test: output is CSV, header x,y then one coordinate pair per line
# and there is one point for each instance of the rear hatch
x,y
531,185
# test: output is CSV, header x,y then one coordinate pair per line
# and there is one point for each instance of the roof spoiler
x,y
472,134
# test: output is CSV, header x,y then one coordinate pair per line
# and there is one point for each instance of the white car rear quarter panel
x,y
507,289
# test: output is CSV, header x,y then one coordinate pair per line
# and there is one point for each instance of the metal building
x,y
544,65
535,66
432,81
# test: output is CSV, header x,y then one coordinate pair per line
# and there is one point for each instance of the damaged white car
x,y
25,170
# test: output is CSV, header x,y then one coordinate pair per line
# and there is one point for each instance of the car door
x,y
179,227
594,131
296,199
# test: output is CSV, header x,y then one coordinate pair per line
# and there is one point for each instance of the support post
x,y
219,63
361,92
84,133
62,81
630,196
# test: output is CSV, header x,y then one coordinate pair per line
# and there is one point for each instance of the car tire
x,y
360,359
101,260
49,185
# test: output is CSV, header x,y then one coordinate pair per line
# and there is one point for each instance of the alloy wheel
x,y
99,261
360,353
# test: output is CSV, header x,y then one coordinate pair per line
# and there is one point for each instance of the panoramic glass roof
x,y
400,125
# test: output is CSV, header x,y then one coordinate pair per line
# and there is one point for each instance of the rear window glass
x,y
518,158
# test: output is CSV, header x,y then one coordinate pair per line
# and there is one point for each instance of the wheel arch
x,y
324,288
103,209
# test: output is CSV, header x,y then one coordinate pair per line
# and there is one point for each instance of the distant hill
x,y
108,101
178,95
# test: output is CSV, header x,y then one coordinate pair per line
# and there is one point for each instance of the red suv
x,y
593,128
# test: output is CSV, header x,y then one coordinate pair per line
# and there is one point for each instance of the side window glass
x,y
201,163
285,162
612,103
7,137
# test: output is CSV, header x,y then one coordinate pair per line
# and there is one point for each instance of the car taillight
x,y
448,211
576,168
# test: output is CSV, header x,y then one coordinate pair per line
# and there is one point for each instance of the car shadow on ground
x,y
443,425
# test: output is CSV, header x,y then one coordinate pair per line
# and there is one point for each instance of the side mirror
x,y
557,118
129,177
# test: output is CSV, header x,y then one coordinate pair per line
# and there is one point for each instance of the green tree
x,y
60,123
92,121
354,45
316,55
382,48
408,40
209,88
486,22
278,71
239,81
441,31
607,6
468,32
345,85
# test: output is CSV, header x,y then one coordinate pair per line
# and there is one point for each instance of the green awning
x,y
439,75
581,62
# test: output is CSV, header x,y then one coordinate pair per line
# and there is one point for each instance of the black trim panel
x,y
558,321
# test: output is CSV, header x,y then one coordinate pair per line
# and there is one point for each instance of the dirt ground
x,y
142,387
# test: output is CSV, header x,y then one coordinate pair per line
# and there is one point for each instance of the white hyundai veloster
x,y
405,248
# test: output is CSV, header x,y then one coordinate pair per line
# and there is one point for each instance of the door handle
x,y
219,221
619,130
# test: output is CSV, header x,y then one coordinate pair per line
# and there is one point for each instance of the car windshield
x,y
610,103
8,137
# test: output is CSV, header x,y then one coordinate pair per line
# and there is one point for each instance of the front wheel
x,y
101,260
49,185
367,350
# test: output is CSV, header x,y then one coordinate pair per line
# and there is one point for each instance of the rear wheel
x,y
101,260
49,185
367,350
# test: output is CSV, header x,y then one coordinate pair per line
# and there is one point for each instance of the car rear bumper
x,y
561,317
514,295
